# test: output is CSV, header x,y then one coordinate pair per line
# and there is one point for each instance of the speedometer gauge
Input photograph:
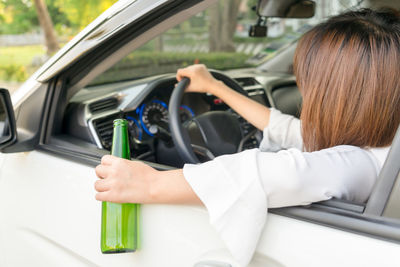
x,y
134,128
154,113
185,113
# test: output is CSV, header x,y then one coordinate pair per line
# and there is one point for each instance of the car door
x,y
54,220
49,214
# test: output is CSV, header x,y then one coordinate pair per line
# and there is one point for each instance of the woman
x,y
347,71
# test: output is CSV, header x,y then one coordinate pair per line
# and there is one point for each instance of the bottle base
x,y
115,251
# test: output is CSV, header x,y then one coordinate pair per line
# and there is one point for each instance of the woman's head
x,y
348,71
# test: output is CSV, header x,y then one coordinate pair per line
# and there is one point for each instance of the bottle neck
x,y
120,143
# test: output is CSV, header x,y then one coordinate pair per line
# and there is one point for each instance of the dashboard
x,y
144,104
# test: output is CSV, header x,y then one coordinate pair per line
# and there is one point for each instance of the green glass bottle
x,y
119,222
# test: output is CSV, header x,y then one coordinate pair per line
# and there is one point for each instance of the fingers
x,y
107,160
190,71
180,73
102,171
109,197
105,170
102,185
103,196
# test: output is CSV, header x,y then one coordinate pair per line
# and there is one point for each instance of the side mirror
x,y
8,132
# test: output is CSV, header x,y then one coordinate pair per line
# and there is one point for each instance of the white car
x,y
59,125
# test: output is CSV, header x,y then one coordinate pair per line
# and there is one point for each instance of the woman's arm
x,y
202,81
125,181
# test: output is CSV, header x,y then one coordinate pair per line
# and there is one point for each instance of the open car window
x,y
217,39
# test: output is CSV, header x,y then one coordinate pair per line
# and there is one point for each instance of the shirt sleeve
x,y
237,189
283,132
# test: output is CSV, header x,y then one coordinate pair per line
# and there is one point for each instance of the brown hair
x,y
348,71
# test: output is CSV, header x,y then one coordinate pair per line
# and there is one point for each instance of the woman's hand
x,y
124,181
201,80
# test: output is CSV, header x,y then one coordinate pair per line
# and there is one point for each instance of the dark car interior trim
x,y
8,134
287,99
30,120
83,152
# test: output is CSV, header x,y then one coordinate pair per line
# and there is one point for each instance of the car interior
x,y
144,102
145,105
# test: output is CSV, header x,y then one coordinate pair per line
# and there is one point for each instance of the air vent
x,y
104,129
244,82
104,104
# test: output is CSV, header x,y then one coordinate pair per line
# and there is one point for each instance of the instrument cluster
x,y
152,116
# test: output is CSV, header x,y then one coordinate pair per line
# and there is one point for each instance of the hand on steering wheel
x,y
220,130
201,80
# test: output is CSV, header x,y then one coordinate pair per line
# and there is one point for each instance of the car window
x,y
219,38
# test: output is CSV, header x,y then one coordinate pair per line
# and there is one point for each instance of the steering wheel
x,y
215,132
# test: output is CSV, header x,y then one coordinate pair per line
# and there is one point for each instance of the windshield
x,y
219,38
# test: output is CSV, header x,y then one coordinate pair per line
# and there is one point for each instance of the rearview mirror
x,y
8,133
286,8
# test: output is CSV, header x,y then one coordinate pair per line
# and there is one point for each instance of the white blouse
x,y
238,189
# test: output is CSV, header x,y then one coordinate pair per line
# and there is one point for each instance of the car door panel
x,y
297,243
60,226
59,222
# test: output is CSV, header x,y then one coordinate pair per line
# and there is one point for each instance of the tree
x,y
20,16
252,5
17,16
159,44
47,26
222,25
81,13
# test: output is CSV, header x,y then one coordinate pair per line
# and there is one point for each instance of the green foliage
x,y
199,21
251,4
21,55
58,17
81,13
143,64
15,62
19,16
13,72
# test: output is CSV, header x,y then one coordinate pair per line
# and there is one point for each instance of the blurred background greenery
x,y
31,31
23,45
